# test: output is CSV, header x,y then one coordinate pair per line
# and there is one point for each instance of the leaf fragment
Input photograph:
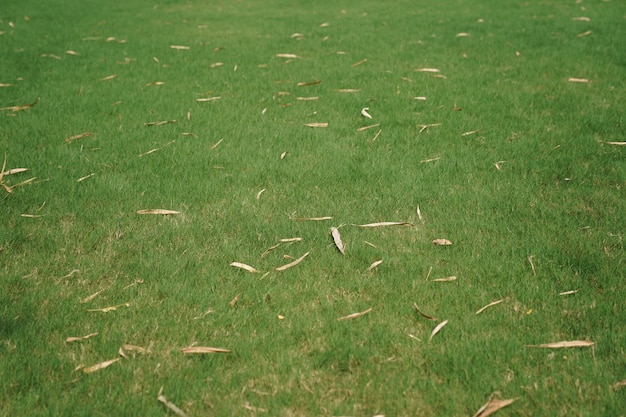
x,y
107,309
245,266
21,107
258,195
375,264
158,211
442,242
337,239
79,136
616,143
204,349
317,124
564,344
492,406
365,113
180,47
361,129
577,80
288,56
314,219
100,366
202,100
432,70
308,83
13,171
568,292
108,77
355,315
384,224
291,239
356,64
78,339
437,329
421,313
446,279
159,123
170,405
269,250
307,98
291,264
480,310
134,348
348,90
216,64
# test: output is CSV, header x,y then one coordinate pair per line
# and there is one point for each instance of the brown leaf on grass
x,y
355,315
91,297
71,52
216,144
437,329
291,239
202,100
445,279
581,19
480,310
79,136
462,35
577,80
245,266
20,108
492,406
13,171
442,242
356,64
374,265
564,344
158,211
365,113
294,263
568,292
134,348
216,64
307,98
170,405
616,143
6,85
580,35
424,161
258,195
431,70
314,219
203,349
100,366
308,83
348,90
421,313
234,301
78,339
107,309
289,56
620,384
157,83
361,129
317,124
269,250
159,123
180,47
108,77
337,239
384,224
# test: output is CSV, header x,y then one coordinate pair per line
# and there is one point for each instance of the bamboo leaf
x,y
564,344
437,329
245,266
337,238
100,366
294,263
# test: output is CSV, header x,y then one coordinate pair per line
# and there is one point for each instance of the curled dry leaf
x,y
108,77
442,242
374,265
462,35
291,239
364,112
269,250
421,313
294,263
564,344
337,239
616,143
203,349
568,292
355,315
363,61
307,98
258,195
158,211
437,329
488,305
14,171
100,366
317,124
492,406
78,339
245,266
383,224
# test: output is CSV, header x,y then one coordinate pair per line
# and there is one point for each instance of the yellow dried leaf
x,y
446,279
347,90
108,77
492,406
161,398
294,263
361,129
307,98
318,124
244,266
234,301
91,297
383,224
432,70
577,80
159,123
437,329
374,265
582,19
70,52
356,64
355,315
269,250
14,171
216,64
564,344
364,112
180,47
79,136
290,56
201,100
580,35
462,35
421,313
107,309
77,339
100,366
568,292
20,108
308,83
258,195
291,239
203,349
158,211
488,305
134,348
442,242
6,85
616,143
337,239
315,219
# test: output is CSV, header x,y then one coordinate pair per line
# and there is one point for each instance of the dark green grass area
x,y
499,151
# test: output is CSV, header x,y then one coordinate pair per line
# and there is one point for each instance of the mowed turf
x,y
259,126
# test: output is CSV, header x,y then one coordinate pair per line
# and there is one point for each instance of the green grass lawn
x,y
499,127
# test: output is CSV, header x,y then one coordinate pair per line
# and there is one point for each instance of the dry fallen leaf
x,y
170,405
134,348
421,313
364,112
577,80
291,239
180,47
446,279
203,349
108,77
315,219
307,83
258,195
269,250
354,315
290,56
492,406
374,265
383,224
347,90
77,339
20,108
337,238
307,98
488,305
245,266
564,344
100,366
234,301
356,64
437,329
158,211
200,100
568,292
294,263
442,242
79,136
580,35
13,171
616,143
107,309
361,129
433,70
159,123
322,124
